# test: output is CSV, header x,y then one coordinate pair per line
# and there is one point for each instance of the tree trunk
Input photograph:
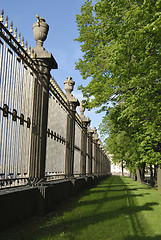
x,y
132,175
159,179
138,174
143,172
151,176
122,168
155,174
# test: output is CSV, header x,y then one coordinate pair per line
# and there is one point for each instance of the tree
x,y
120,141
121,42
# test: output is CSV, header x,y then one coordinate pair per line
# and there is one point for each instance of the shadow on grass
x,y
108,185
116,190
127,207
78,223
86,210
108,199
131,189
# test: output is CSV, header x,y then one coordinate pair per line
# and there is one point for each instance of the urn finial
x,y
81,109
40,30
69,85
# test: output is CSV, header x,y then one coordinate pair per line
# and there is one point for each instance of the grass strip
x,y
116,209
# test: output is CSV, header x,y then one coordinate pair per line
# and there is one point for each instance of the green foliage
x,y
121,42
120,142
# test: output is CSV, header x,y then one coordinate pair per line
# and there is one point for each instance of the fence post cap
x,y
40,30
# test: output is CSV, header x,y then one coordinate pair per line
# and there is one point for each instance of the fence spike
x,y
11,27
29,51
26,46
15,33
2,13
22,44
19,37
32,53
38,20
6,23
69,79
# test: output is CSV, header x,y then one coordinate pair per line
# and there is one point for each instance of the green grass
x,y
117,209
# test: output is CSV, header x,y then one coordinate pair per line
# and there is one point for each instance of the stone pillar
x,y
100,167
105,163
102,159
95,150
85,122
70,133
44,62
98,156
90,150
100,146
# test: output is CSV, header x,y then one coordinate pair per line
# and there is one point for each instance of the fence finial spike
x,y
26,46
38,20
22,44
32,53
29,51
15,33
6,23
69,79
19,37
2,13
11,27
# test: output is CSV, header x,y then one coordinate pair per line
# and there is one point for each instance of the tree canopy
x,y
121,45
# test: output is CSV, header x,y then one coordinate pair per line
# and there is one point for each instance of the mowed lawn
x,y
116,209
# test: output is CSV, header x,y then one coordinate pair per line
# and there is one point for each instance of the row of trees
x,y
121,45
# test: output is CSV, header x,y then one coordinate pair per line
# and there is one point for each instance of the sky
x,y
60,15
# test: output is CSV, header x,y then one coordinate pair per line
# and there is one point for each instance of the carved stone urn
x,y
81,109
69,85
95,133
40,31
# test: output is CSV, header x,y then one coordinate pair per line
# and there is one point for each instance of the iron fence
x,y
29,152
17,73
56,140
77,147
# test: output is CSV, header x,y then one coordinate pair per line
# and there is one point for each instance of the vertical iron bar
x,y
9,122
30,113
1,113
2,103
18,77
5,101
19,110
13,129
15,99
